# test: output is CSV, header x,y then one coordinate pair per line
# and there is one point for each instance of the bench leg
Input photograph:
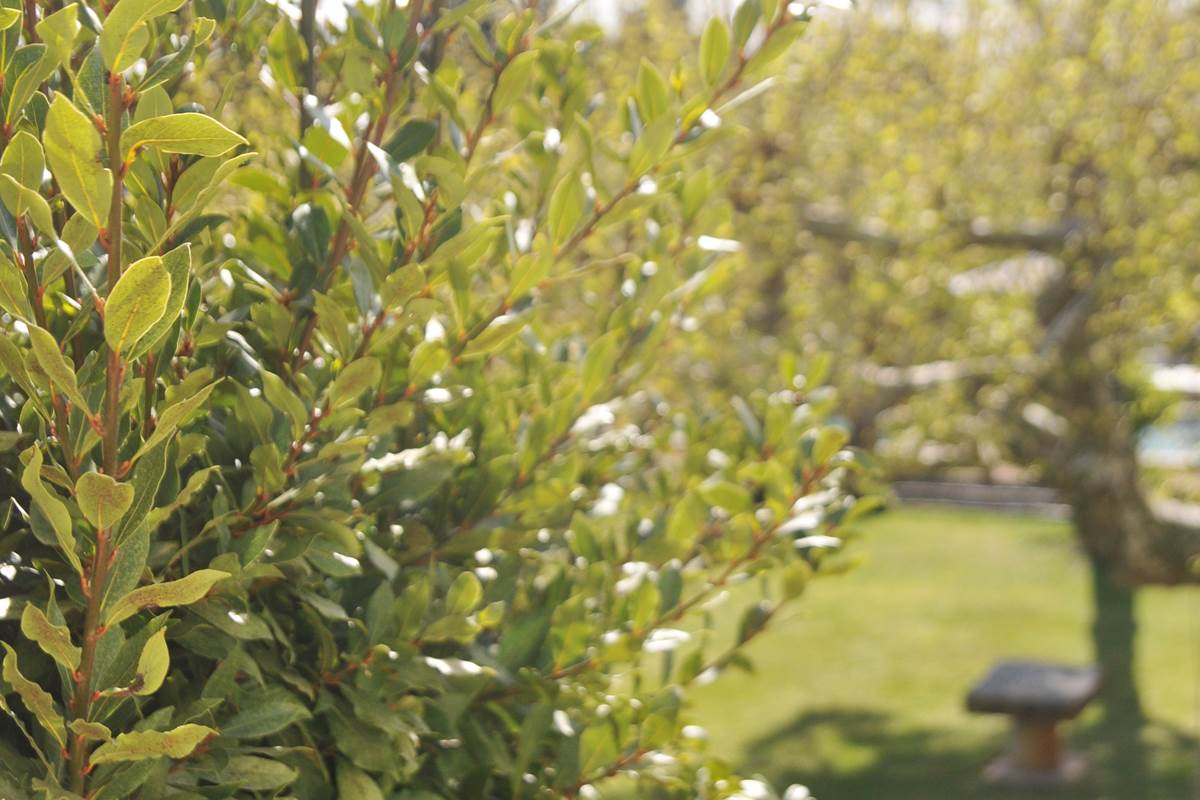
x,y
1037,745
1036,757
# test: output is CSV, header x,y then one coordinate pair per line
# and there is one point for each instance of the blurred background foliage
x,y
983,215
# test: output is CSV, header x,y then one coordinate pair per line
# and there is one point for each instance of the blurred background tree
x,y
987,213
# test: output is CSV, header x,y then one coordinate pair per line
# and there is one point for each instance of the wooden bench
x,y
1038,696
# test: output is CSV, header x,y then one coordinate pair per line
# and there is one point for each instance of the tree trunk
x,y
1114,633
1114,636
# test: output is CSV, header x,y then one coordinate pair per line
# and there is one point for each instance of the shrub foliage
x,y
339,460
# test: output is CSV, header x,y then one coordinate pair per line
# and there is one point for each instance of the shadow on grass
x,y
843,754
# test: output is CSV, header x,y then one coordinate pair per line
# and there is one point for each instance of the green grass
x,y
859,692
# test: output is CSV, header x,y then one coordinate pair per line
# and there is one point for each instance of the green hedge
x,y
346,444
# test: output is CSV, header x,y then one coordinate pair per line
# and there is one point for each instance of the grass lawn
x,y
859,693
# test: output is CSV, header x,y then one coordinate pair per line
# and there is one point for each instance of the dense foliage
x,y
337,461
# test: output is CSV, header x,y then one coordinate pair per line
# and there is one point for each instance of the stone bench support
x,y
1038,697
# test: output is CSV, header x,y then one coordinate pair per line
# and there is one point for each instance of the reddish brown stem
x,y
97,574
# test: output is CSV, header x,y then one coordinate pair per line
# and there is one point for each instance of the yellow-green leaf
x,y
24,160
14,296
36,699
72,142
428,359
174,416
353,380
52,508
55,640
178,264
494,336
102,499
464,594
77,236
652,145
830,440
58,31
136,303
92,731
714,50
140,745
566,207
22,200
124,33
153,663
597,747
654,97
182,592
13,362
728,495
55,365
517,74
187,133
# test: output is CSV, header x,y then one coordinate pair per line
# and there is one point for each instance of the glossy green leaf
x,y
333,321
598,363
410,139
353,782
254,774
285,400
656,731
264,715
745,20
31,66
687,519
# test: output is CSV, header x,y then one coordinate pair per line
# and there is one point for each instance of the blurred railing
x,y
1010,498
